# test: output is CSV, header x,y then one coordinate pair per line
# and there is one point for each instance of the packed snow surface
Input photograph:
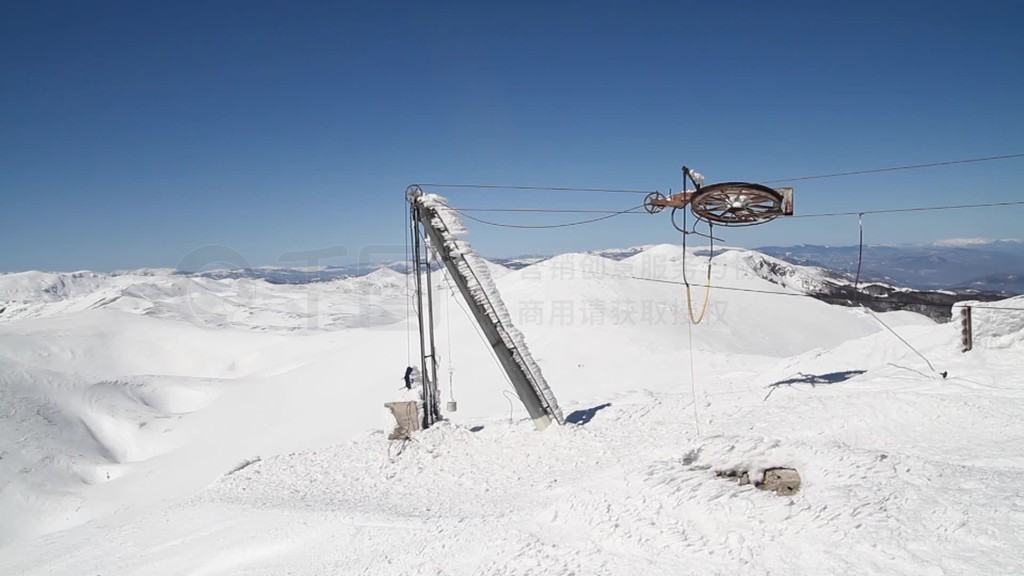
x,y
160,424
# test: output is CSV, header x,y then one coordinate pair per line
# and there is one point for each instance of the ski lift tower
x,y
433,221
436,226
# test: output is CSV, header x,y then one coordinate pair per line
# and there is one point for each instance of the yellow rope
x,y
707,294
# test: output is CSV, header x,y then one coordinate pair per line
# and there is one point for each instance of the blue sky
x,y
134,133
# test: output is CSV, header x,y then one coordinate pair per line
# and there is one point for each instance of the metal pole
x,y
431,403
418,267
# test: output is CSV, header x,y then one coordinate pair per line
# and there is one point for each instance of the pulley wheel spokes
x,y
737,204
649,204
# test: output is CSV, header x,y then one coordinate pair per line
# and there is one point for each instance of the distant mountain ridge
x,y
923,278
835,288
989,266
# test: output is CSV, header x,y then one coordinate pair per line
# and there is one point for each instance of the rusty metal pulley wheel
x,y
737,204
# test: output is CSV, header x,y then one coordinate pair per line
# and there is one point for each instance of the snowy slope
x,y
142,410
126,428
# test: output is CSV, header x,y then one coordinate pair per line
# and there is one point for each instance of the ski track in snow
x,y
135,442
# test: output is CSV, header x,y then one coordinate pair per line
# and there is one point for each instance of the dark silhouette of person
x,y
408,378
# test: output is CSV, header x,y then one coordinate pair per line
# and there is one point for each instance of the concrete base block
x,y
407,419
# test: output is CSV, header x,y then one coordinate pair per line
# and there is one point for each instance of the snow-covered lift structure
x,y
433,220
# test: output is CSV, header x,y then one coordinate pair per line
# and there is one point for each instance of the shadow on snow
x,y
581,417
814,379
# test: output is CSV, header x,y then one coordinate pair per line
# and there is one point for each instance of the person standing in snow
x,y
408,378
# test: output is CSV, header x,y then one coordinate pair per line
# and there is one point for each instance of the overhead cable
x,y
774,181
895,168
537,188
559,225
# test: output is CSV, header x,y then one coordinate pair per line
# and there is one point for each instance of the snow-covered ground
x,y
161,424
